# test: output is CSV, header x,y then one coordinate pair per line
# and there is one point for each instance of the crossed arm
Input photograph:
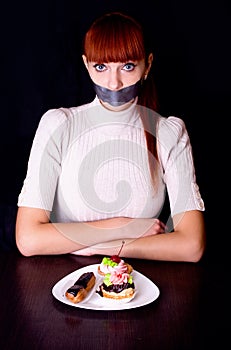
x,y
144,238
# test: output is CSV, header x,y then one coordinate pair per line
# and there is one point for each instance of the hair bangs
x,y
110,40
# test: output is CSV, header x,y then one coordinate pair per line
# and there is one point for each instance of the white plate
x,y
145,292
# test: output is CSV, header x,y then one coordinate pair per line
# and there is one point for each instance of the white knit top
x,y
88,163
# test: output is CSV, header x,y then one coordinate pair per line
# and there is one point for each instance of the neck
x,y
117,108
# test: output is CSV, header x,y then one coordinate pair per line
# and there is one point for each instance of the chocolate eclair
x,y
81,287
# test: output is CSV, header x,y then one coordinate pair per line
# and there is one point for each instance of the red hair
x,y
114,38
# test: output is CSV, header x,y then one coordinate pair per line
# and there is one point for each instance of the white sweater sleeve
x,y
175,153
44,163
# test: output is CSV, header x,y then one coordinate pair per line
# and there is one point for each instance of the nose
x,y
114,81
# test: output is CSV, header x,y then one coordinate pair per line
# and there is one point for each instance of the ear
x,y
85,61
150,59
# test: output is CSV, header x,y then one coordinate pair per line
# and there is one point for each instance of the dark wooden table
x,y
191,312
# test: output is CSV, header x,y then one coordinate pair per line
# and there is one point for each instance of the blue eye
x,y
99,67
129,66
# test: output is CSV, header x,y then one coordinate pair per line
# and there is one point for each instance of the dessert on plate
x,y
114,263
81,287
118,282
117,286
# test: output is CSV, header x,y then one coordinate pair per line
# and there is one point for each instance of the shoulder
x,y
173,125
172,130
56,117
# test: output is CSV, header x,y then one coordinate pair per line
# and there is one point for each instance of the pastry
x,y
81,287
117,286
76,293
108,265
114,263
87,280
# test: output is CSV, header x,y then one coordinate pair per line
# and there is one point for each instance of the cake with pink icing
x,y
114,263
108,265
117,285
118,282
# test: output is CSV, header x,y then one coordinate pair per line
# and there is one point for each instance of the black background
x,y
41,68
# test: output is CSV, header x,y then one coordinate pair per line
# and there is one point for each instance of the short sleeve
x,y
44,163
176,157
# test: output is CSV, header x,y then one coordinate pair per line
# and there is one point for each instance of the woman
x,y
98,173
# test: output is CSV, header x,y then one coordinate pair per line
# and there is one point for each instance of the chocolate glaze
x,y
84,279
116,288
81,283
74,290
